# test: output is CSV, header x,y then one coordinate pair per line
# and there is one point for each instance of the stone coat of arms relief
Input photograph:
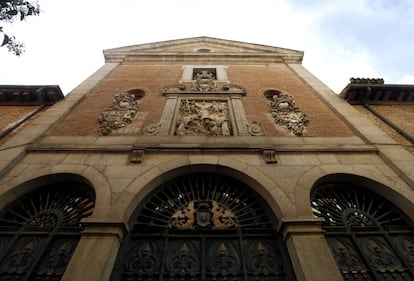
x,y
285,113
121,113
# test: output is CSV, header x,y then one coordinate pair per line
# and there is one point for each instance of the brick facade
x,y
82,121
400,115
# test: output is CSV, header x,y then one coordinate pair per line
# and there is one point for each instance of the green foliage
x,y
11,11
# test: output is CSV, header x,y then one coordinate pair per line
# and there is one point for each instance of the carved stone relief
x,y
203,214
204,82
121,113
201,117
285,113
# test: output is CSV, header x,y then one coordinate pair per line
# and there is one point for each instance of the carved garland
x,y
285,113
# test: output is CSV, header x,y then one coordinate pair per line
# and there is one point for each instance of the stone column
x,y
239,115
309,252
96,252
168,115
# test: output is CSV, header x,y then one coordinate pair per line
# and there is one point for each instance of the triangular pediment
x,y
198,48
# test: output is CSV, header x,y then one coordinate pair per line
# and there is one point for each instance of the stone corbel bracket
x,y
137,155
269,156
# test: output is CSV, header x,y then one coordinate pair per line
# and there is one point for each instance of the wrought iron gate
x,y
202,227
369,237
40,231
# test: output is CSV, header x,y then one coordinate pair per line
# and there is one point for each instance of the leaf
x,y
12,12
6,40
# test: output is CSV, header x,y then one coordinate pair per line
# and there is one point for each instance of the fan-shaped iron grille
x,y
202,227
202,202
369,237
39,232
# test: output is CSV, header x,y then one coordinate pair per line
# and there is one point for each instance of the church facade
x,y
206,159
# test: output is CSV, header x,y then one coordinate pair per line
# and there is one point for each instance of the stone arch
x,y
80,173
385,186
175,231
41,221
367,226
276,197
404,201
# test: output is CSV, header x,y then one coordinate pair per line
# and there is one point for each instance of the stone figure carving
x,y
204,82
203,118
285,113
121,113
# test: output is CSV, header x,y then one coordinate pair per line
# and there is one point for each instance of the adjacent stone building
x,y
206,159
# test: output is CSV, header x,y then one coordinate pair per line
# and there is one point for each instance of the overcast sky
x,y
340,38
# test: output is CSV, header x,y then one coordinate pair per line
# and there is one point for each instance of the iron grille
x,y
39,232
202,227
369,237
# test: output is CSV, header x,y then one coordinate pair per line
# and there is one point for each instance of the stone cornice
x,y
13,95
227,52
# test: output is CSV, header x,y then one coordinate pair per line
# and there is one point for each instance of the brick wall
x,y
400,115
10,115
83,119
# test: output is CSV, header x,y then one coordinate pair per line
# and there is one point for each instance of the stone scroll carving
x,y
203,84
285,113
201,117
121,113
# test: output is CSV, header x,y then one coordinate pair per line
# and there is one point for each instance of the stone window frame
x,y
221,72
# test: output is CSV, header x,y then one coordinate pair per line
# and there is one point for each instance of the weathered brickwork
x,y
83,119
12,114
256,79
400,115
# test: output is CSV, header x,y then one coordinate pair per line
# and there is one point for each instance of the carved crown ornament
x,y
285,112
122,112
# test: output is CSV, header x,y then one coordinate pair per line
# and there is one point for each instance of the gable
x,y
200,48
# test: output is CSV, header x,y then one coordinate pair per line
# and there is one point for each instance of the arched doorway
x,y
202,226
369,237
40,230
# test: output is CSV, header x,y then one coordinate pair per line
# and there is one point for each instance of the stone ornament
x,y
203,214
200,117
204,82
204,85
255,129
121,113
285,113
152,129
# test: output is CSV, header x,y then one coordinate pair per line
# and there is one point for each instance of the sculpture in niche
x,y
204,82
121,113
203,118
285,113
